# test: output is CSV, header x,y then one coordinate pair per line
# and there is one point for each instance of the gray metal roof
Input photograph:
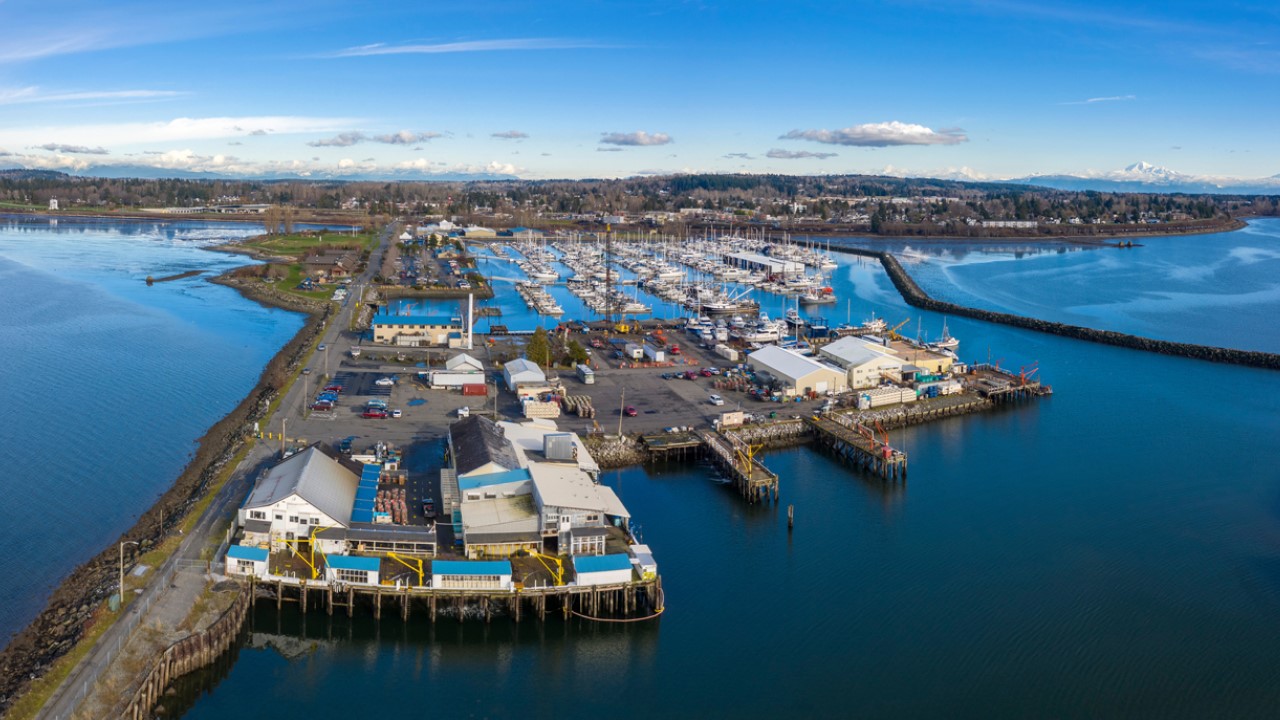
x,y
313,476
257,526
787,364
477,441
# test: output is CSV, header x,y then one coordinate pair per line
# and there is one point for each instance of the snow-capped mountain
x,y
1145,177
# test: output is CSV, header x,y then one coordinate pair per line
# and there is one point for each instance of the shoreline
x,y
915,296
69,610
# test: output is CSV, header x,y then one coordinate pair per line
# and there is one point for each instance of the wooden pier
x,y
677,445
755,482
859,445
616,602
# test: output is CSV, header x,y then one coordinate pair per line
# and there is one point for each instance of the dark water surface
x,y
107,382
1111,551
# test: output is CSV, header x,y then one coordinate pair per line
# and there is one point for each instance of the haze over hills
x,y
1140,177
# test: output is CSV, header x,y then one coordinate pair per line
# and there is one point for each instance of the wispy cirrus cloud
x,y
738,156
34,94
504,44
885,134
355,137
179,129
639,138
778,154
510,135
1094,100
72,149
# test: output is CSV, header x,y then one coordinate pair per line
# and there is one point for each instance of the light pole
x,y
122,544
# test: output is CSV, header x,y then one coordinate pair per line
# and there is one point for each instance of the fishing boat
x,y
818,296
947,342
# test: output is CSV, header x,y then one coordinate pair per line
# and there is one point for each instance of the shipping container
x,y
727,353
586,375
654,354
633,351
475,389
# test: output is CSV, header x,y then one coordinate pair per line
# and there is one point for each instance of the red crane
x,y
1027,372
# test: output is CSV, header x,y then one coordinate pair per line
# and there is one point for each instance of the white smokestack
x,y
471,320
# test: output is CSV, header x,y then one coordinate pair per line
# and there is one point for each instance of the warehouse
x,y
458,370
301,494
471,574
797,374
352,570
522,374
415,330
866,365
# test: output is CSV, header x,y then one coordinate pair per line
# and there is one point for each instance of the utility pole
x,y
621,406
283,423
306,393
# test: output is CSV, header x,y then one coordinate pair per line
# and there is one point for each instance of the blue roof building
x,y
471,574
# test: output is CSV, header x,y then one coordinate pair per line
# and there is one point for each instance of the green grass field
x,y
299,244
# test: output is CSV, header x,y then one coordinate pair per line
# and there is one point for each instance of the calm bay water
x,y
108,383
1111,551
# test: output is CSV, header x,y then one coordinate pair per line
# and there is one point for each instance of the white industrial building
x,y
471,575
459,370
866,364
522,486
602,569
300,495
522,373
796,373
246,560
352,570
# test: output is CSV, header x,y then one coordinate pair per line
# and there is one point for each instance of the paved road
x,y
167,598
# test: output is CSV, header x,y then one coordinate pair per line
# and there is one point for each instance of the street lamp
x,y
122,544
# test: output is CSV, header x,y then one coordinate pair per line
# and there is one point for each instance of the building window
x,y
257,515
352,576
244,567
315,521
279,516
591,518
293,518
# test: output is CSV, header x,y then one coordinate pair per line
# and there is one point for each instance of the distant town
x,y
675,205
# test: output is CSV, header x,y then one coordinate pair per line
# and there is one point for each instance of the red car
x,y
375,413
333,388
630,411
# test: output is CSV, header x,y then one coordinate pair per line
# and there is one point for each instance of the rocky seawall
x,y
915,296
71,607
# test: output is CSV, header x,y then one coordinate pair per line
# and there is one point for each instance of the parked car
x,y
716,399
377,413
429,508
396,413
384,381
464,411
690,374
333,388
378,403
630,411
706,372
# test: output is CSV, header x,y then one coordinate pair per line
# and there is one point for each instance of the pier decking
x,y
754,481
615,602
859,445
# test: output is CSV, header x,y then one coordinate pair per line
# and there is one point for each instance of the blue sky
x,y
607,89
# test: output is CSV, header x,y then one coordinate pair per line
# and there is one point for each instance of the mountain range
x,y
1142,177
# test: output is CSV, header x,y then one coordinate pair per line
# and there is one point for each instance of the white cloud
x,y
738,156
346,139
637,138
777,154
72,149
465,46
510,135
884,134
405,137
1111,98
